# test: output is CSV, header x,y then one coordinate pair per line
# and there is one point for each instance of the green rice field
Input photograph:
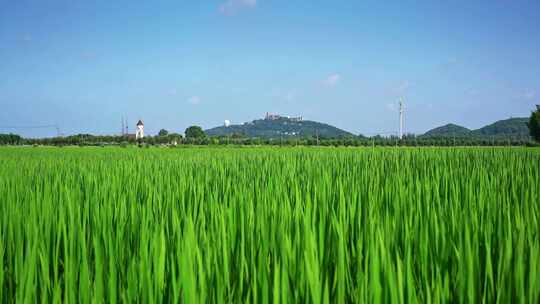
x,y
259,225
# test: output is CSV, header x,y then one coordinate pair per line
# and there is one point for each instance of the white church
x,y
140,130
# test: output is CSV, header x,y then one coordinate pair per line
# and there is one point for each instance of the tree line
x,y
11,139
173,139
195,135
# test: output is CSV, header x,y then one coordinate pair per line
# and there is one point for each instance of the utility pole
x,y
58,133
400,119
317,135
122,130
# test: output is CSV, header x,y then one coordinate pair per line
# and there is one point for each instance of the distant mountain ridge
x,y
506,128
281,127
448,130
511,127
285,127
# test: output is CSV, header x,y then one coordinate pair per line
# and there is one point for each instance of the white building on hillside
x,y
272,116
140,130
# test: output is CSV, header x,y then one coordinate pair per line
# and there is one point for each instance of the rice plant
x,y
259,225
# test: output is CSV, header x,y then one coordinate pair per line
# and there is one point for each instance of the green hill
x,y
507,128
449,130
513,127
280,128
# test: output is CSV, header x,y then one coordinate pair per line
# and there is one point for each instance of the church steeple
x,y
140,130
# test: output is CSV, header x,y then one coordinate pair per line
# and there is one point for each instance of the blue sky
x,y
84,64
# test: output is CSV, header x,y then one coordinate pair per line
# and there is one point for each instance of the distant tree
x,y
163,132
10,139
238,135
195,132
171,138
175,137
534,125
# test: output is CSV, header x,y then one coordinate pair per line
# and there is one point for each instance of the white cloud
x,y
88,55
399,89
392,107
452,60
403,87
332,80
473,92
525,95
290,96
230,7
285,95
194,100
528,95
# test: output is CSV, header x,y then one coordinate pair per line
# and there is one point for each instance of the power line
x,y
56,127
29,127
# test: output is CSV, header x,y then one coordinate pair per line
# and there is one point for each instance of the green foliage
x,y
260,225
195,132
449,130
163,132
534,125
174,137
10,139
508,129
